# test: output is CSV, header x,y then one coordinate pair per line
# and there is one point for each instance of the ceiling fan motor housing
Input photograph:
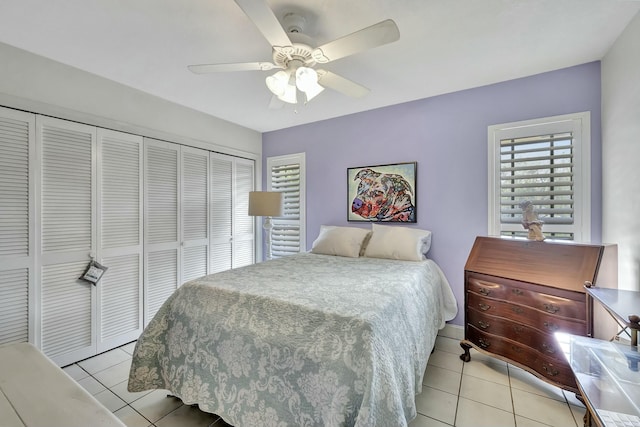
x,y
293,56
300,52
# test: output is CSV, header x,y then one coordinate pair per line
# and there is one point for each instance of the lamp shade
x,y
266,203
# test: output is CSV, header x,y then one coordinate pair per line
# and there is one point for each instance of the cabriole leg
x,y
466,356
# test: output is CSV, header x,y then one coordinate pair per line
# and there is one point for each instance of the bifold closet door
x,y
17,222
161,225
194,218
221,212
67,238
243,224
120,237
232,229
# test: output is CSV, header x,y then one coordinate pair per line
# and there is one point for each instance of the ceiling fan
x,y
296,59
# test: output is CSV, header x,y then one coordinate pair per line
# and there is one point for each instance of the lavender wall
x,y
447,136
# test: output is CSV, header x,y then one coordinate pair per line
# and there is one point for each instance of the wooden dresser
x,y
519,292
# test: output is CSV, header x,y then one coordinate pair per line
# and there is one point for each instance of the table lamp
x,y
266,204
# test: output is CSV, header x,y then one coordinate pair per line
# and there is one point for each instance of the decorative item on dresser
x,y
519,292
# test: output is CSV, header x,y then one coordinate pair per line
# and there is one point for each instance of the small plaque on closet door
x,y
93,273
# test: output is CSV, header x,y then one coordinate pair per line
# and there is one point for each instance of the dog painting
x,y
384,193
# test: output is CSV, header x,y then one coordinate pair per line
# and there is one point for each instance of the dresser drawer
x,y
555,370
526,315
558,302
544,343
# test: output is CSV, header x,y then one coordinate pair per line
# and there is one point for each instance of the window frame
x,y
579,124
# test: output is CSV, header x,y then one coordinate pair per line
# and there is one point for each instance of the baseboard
x,y
455,332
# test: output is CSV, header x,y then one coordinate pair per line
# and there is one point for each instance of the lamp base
x,y
268,226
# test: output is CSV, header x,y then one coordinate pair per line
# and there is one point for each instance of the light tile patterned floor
x,y
482,392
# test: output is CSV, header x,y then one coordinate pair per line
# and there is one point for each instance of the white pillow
x,y
340,241
404,243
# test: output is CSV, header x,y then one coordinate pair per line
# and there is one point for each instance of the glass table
x,y
623,306
607,374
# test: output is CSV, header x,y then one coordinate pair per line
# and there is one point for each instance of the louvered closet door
x,y
232,229
195,212
243,224
221,212
161,227
120,206
17,136
67,238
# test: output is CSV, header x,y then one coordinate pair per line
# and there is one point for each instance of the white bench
x,y
36,392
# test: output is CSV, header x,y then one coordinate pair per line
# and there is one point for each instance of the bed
x,y
307,340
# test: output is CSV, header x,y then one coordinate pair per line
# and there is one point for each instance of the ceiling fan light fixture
x,y
305,78
278,82
290,94
307,82
313,91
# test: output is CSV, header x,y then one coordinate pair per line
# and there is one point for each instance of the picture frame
x,y
382,193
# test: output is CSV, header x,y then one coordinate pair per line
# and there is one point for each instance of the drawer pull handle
x,y
550,308
484,343
483,325
550,370
518,292
517,310
518,329
549,349
484,291
484,307
551,326
516,349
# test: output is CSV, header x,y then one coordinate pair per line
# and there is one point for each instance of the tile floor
x,y
482,392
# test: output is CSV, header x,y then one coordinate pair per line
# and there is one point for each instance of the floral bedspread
x,y
308,340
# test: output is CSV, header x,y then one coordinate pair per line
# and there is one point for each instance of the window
x,y
287,174
545,161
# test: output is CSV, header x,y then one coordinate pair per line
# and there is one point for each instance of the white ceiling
x,y
444,46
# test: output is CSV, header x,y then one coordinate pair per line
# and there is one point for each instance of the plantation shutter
x,y
67,206
120,238
195,213
538,169
286,175
17,134
161,226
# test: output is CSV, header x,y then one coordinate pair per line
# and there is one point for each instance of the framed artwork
x,y
383,193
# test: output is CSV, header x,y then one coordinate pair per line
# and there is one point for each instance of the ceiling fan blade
x,y
262,16
241,66
376,35
338,83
